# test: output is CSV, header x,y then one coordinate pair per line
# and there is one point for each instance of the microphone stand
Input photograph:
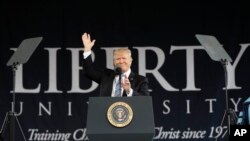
x,y
120,83
217,53
11,117
230,113
21,56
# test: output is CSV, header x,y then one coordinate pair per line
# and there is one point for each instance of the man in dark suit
x,y
131,84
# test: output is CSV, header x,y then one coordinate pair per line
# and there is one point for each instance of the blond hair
x,y
124,49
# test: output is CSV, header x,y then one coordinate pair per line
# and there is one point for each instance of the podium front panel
x,y
141,126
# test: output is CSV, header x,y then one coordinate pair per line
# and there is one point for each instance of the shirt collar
x,y
127,73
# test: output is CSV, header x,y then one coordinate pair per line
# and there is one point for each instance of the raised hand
x,y
87,43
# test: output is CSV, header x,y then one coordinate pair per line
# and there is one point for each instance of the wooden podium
x,y
120,118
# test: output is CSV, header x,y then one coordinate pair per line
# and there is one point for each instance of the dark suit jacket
x,y
105,79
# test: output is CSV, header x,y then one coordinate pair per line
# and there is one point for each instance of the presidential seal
x,y
119,114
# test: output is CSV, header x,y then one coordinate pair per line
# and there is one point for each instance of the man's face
x,y
122,59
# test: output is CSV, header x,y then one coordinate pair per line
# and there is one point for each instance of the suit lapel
x,y
132,79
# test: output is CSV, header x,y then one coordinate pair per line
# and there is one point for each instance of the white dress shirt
x,y
117,79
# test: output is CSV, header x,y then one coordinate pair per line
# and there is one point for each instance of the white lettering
x,y
166,107
75,85
155,72
190,85
188,106
231,68
52,71
41,106
48,136
210,101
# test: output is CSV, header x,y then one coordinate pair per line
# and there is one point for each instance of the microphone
x,y
118,70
